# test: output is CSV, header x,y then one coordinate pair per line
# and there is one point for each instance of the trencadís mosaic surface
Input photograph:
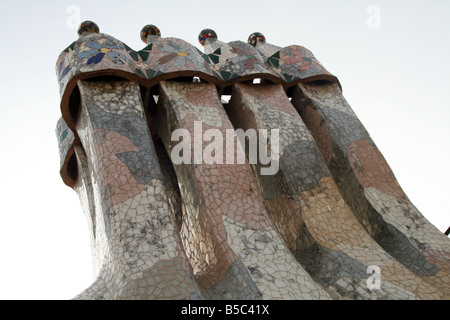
x,y
328,221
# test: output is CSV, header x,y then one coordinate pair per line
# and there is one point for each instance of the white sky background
x,y
396,78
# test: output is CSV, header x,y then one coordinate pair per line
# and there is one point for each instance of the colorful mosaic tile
x,y
206,34
308,209
369,186
95,54
88,26
149,30
264,196
256,37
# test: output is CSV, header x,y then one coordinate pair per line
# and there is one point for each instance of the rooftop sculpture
x,y
331,222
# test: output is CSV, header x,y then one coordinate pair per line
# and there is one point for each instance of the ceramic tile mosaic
x,y
225,223
308,209
312,223
136,234
369,186
95,54
66,140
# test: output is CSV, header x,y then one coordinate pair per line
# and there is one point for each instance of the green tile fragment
x,y
148,48
139,72
152,73
214,58
206,57
70,47
144,55
225,75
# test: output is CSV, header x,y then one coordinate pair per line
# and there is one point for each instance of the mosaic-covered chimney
x,y
240,172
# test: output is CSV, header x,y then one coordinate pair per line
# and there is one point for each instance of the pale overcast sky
x,y
395,73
